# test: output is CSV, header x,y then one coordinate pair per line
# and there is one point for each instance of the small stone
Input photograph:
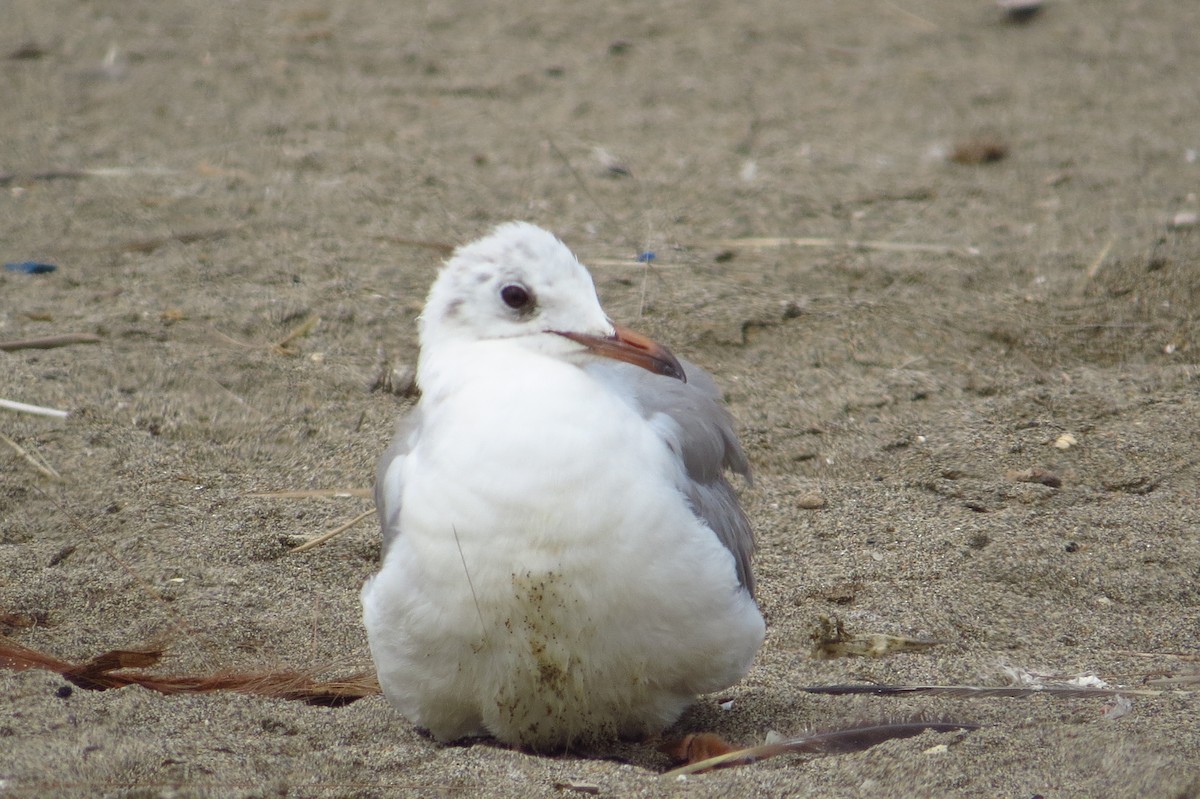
x,y
983,150
810,501
1184,219
978,540
1020,10
791,309
610,165
1065,441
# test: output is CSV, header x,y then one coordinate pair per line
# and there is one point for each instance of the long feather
x,y
849,739
981,691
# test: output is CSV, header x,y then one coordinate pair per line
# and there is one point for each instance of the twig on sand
x,y
313,493
107,670
1172,682
39,463
7,178
149,245
36,410
299,331
48,342
321,539
849,244
1098,261
919,21
1181,655
279,347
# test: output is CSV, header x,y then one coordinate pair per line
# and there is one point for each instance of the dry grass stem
x,y
299,331
39,463
1192,656
849,244
8,178
321,539
279,347
48,342
1098,261
158,242
917,21
315,492
630,261
1175,682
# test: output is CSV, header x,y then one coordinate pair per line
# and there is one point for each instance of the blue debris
x,y
647,256
30,267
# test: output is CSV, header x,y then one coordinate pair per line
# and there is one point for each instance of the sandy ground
x,y
235,169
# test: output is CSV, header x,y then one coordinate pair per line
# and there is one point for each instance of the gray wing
x,y
389,480
695,425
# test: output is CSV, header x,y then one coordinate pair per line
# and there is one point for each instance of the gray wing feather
x,y
693,422
389,486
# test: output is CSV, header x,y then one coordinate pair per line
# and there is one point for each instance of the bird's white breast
x,y
564,592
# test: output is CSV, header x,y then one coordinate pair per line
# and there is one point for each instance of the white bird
x,y
564,561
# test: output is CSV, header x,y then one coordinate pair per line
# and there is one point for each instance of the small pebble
x,y
984,150
28,52
610,164
792,309
1020,10
813,501
1065,441
1184,219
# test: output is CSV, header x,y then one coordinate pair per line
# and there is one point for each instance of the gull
x,y
564,560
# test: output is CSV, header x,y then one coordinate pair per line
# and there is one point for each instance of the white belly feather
x,y
560,595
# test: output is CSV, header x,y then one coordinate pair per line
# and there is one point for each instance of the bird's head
x,y
522,284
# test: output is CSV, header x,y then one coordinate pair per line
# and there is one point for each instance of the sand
x,y
984,376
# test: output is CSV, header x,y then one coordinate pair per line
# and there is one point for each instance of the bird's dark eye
x,y
517,297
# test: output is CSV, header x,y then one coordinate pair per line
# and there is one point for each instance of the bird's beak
x,y
630,347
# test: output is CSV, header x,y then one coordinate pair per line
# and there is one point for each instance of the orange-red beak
x,y
630,347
